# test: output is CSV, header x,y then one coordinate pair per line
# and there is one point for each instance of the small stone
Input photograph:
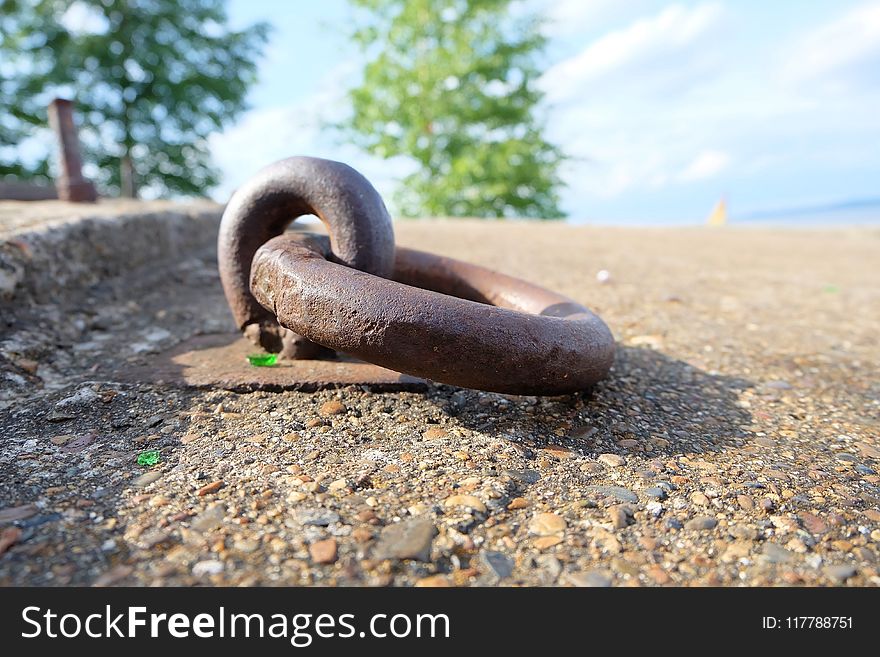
x,y
61,440
213,487
603,277
362,535
115,574
9,537
590,578
656,492
468,501
612,460
207,567
146,479
318,517
547,542
813,524
700,499
498,564
617,492
18,512
332,407
323,551
619,515
776,553
209,519
247,545
700,523
518,503
745,502
524,476
434,433
408,539
434,582
337,485
546,524
839,574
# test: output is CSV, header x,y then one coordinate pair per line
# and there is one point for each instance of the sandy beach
x,y
736,441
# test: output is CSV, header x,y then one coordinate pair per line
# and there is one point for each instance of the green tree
x,y
451,85
151,80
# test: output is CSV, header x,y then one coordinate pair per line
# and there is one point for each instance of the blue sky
x,y
663,106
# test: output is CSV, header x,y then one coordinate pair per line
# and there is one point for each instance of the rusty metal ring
x,y
352,210
440,318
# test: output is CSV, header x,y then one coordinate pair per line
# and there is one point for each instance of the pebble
x,y
518,503
546,524
209,519
612,460
590,578
324,551
207,567
619,515
839,574
700,499
468,501
213,487
617,492
498,564
332,407
524,476
701,523
146,479
434,582
18,512
408,539
434,433
745,502
813,523
9,537
318,517
656,492
115,574
547,542
776,553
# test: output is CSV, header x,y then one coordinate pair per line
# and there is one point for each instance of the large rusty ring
x,y
434,320
349,206
422,314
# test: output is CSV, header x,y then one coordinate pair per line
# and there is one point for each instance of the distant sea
x,y
863,212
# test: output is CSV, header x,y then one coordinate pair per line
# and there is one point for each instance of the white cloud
x,y
706,165
844,53
571,16
641,44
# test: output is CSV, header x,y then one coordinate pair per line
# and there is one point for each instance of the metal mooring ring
x,y
352,210
440,318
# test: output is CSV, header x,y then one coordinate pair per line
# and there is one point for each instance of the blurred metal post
x,y
71,184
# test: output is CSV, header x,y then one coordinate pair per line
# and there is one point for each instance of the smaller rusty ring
x,y
350,207
434,320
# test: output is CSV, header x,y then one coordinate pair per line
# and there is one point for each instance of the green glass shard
x,y
832,289
148,458
262,360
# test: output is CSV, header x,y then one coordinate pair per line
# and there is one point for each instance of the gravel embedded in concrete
x,y
735,443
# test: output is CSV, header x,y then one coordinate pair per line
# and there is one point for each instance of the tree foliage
x,y
451,85
151,80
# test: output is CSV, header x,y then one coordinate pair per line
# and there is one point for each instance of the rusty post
x,y
71,184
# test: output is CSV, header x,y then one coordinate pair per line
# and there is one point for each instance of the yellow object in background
x,y
718,216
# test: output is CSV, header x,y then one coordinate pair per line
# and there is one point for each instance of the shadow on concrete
x,y
666,405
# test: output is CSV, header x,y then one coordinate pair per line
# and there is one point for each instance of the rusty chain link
x,y
410,311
